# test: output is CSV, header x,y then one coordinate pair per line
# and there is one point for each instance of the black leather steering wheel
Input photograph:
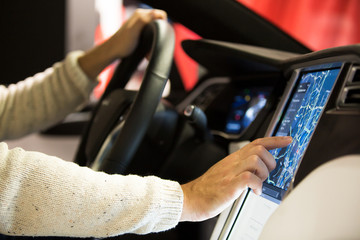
x,y
128,112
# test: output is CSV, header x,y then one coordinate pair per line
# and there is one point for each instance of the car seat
x,y
324,205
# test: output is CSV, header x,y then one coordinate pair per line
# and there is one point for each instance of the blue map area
x,y
299,122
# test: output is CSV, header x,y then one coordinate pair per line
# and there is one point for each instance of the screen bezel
x,y
281,111
274,126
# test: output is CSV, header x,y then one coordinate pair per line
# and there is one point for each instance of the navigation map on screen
x,y
299,122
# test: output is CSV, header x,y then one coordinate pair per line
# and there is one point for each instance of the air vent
x,y
349,99
352,96
354,77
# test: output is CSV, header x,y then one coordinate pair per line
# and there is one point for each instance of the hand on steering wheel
x,y
158,37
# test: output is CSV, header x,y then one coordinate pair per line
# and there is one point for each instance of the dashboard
x,y
231,103
315,98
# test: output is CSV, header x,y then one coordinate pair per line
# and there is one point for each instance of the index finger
x,y
273,142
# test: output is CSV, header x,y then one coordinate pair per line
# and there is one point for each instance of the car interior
x,y
251,80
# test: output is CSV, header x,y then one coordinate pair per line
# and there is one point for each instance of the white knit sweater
x,y
42,195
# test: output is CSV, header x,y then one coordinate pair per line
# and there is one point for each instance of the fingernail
x,y
288,138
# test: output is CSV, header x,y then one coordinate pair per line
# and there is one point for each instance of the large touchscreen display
x,y
299,121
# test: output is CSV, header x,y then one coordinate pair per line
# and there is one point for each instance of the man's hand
x,y
211,193
121,44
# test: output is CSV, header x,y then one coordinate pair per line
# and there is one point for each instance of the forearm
x,y
43,99
45,196
97,58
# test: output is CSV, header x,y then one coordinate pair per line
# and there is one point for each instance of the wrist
x,y
96,59
188,211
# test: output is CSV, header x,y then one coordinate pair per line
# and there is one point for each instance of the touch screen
x,y
299,121
298,118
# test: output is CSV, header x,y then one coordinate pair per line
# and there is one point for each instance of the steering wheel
x,y
121,118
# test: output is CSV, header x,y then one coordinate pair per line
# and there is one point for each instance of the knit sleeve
x,y
44,99
42,195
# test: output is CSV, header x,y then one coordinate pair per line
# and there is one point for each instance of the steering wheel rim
x,y
158,37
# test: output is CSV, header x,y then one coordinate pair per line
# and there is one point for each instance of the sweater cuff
x,y
169,198
169,211
81,80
